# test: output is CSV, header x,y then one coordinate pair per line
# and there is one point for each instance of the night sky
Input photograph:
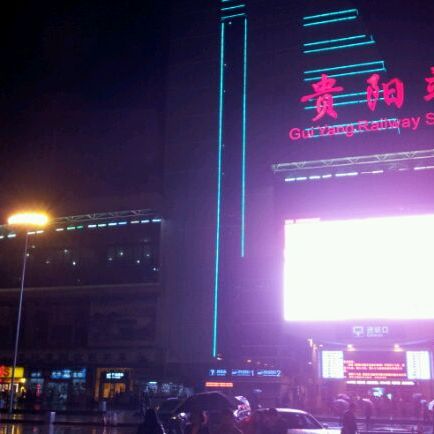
x,y
82,100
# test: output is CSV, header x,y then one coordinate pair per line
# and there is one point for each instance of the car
x,y
299,421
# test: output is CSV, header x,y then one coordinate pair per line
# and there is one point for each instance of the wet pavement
x,y
17,428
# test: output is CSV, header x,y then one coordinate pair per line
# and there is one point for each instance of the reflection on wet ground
x,y
63,429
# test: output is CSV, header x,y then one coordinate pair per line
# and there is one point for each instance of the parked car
x,y
299,421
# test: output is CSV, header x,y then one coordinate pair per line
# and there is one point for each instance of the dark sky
x,y
81,100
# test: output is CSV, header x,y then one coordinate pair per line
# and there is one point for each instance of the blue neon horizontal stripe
x,y
360,101
234,16
233,7
335,20
330,14
340,47
337,68
345,74
331,41
347,95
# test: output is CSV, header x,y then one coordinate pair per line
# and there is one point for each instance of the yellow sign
x,y
6,372
219,384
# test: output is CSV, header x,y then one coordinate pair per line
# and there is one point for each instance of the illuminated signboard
x,y
336,81
365,366
217,373
114,375
359,270
392,367
246,373
6,372
268,373
332,363
370,331
66,374
219,384
242,373
418,365
392,94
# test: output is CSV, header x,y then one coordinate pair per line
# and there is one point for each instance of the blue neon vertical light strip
x,y
219,187
243,153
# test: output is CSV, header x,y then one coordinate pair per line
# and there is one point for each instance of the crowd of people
x,y
221,422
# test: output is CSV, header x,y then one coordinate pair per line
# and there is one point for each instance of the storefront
x,y
112,382
6,377
59,386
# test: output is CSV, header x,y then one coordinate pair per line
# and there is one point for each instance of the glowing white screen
x,y
418,365
376,268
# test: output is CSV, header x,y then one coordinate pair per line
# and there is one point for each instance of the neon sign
x,y
430,86
350,129
392,93
323,92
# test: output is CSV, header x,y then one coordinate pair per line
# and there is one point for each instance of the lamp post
x,y
26,221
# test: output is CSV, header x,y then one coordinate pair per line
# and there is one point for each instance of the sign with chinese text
x,y
368,366
6,372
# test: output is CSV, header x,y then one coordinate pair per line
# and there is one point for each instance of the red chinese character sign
x,y
393,92
430,86
323,92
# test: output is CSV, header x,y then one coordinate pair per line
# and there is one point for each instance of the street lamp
x,y
27,221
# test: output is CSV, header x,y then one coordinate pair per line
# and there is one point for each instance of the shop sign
x,y
220,384
114,375
67,374
6,372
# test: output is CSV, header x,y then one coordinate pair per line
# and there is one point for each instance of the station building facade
x,y
263,148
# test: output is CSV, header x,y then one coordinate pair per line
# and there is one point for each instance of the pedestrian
x,y
227,423
197,424
150,425
368,413
349,425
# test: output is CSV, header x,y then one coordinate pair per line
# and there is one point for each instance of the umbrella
x,y
207,401
341,405
367,402
344,396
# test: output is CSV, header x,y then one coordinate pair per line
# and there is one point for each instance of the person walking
x,y
227,423
349,424
197,424
150,425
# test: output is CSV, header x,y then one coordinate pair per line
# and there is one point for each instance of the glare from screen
x,y
373,268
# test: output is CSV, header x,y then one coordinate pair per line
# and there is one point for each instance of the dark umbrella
x,y
341,406
207,401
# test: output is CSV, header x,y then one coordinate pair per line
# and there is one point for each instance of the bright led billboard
x,y
376,366
373,268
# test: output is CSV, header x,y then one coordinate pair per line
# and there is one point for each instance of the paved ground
x,y
17,428
110,418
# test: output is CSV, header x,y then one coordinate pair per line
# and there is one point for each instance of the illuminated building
x,y
91,307
319,111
